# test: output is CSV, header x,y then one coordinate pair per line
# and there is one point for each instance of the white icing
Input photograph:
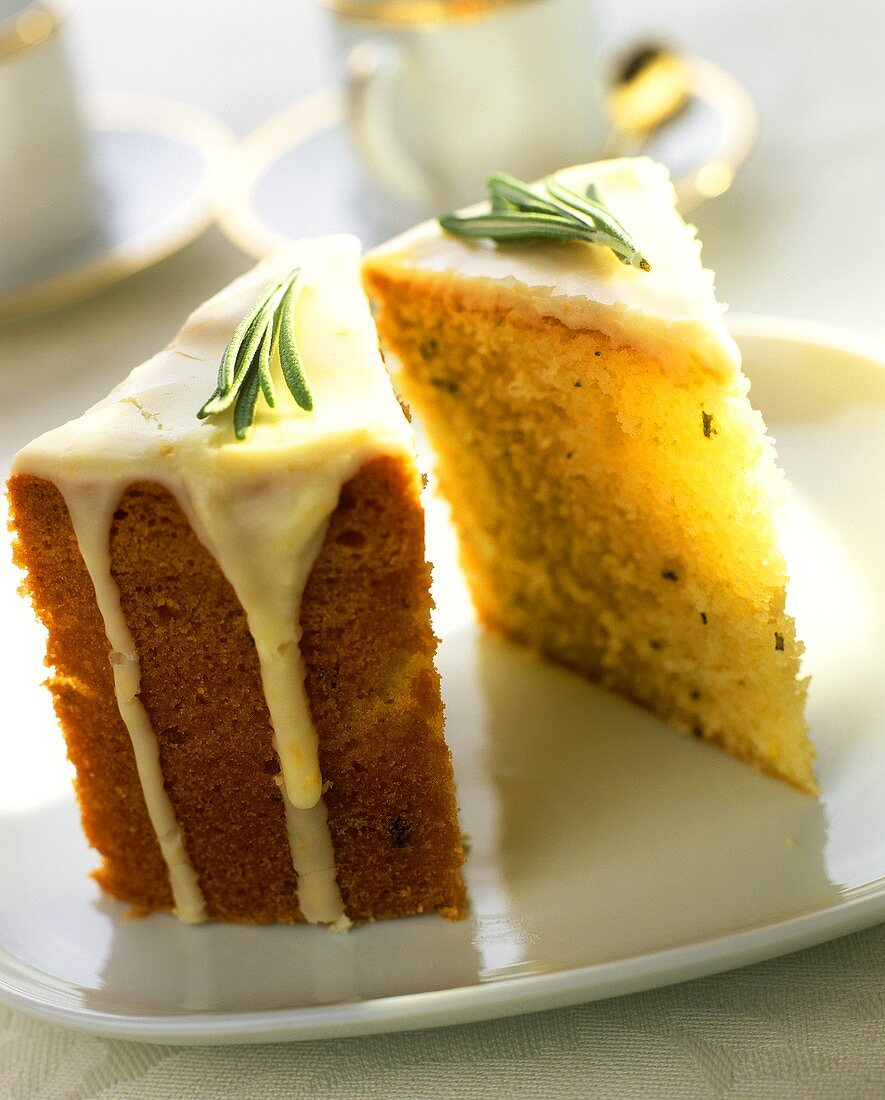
x,y
91,508
261,507
669,312
311,845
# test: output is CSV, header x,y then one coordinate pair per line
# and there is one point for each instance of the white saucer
x,y
298,176
157,165
608,854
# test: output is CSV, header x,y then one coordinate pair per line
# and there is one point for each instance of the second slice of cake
x,y
615,494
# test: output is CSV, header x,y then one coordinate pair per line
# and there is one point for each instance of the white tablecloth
x,y
801,233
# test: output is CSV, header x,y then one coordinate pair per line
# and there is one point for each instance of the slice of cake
x,y
615,494
239,630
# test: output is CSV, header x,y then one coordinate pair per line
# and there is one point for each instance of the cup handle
x,y
666,131
371,69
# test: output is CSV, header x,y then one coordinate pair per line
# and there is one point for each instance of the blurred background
x,y
802,224
799,232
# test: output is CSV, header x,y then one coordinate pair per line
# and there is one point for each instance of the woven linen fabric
x,y
806,1026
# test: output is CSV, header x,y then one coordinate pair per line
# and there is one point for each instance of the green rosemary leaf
x,y
276,321
595,208
516,226
206,408
245,369
574,217
523,197
243,361
519,195
246,362
499,204
264,378
592,208
244,410
521,212
231,352
290,356
226,367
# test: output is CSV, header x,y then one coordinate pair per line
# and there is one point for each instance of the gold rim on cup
x,y
417,13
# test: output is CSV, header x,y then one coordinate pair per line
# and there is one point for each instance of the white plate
x,y
608,854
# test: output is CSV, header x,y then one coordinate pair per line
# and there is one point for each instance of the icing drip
x,y
260,507
314,859
266,541
266,536
91,508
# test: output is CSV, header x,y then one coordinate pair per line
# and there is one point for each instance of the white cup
x,y
443,92
48,199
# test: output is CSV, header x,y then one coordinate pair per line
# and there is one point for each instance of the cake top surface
x,y
152,412
670,312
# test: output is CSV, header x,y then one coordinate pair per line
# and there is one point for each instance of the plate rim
x,y
258,152
133,112
494,999
802,330
502,997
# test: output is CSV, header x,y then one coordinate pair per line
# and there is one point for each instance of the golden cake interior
x,y
615,514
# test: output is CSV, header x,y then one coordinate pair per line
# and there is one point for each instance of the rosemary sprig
x,y
520,212
244,370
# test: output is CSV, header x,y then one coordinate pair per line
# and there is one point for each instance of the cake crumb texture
x,y
375,699
616,515
201,688
372,687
